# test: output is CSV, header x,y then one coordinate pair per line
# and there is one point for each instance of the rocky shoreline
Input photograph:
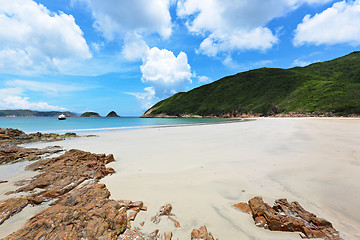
x,y
80,206
248,115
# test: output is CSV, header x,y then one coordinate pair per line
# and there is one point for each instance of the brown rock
x,y
164,211
10,138
3,181
8,155
243,207
84,213
132,234
61,174
168,236
284,216
11,206
201,234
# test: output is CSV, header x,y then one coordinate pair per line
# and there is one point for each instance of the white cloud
x,y
337,24
164,71
17,102
229,26
135,47
204,79
147,98
302,63
116,18
34,39
49,88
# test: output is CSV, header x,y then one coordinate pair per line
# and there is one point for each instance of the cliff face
x,y
329,88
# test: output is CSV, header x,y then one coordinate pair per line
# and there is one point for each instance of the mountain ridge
x,y
329,88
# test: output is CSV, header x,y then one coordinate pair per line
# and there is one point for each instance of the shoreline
x,y
203,169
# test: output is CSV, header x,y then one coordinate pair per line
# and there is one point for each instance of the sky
x,y
126,55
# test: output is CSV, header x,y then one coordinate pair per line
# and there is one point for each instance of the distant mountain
x,y
112,114
90,114
31,113
329,88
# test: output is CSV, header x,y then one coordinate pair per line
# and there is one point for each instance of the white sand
x,y
203,170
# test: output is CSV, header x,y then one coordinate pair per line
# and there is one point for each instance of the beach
x,y
203,170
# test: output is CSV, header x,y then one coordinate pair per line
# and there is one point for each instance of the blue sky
x,y
125,55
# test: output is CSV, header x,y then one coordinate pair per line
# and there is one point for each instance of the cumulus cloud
x,y
36,39
235,25
164,71
337,24
114,17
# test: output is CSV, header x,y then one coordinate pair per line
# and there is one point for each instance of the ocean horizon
x,y
78,125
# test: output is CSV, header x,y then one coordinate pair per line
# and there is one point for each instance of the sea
x,y
79,124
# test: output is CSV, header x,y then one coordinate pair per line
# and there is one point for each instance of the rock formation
x,y
90,114
165,211
12,137
288,217
201,234
112,114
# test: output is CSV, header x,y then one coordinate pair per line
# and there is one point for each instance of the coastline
x,y
203,169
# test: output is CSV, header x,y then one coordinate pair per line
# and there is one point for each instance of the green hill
x,y
324,88
90,114
31,113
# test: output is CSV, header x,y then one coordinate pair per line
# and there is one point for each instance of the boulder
x,y
289,217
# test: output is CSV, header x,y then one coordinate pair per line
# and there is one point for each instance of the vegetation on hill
x,y
90,114
331,88
31,113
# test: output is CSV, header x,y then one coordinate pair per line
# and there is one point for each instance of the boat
x,y
61,117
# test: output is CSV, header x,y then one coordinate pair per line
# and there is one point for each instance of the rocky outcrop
x,y
112,114
288,217
11,155
84,213
57,177
10,138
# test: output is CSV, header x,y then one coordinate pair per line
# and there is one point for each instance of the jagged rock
x,y
10,207
10,138
287,217
8,155
243,207
84,213
201,234
153,235
165,211
60,175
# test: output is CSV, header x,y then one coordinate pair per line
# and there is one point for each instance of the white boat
x,y
61,117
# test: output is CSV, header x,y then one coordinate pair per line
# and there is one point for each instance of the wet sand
x,y
202,170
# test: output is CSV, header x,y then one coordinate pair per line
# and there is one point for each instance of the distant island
x,y
32,113
112,114
330,88
90,114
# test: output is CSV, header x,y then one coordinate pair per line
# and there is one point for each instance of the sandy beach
x,y
203,170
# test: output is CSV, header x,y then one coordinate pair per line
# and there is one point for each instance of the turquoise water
x,y
76,124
